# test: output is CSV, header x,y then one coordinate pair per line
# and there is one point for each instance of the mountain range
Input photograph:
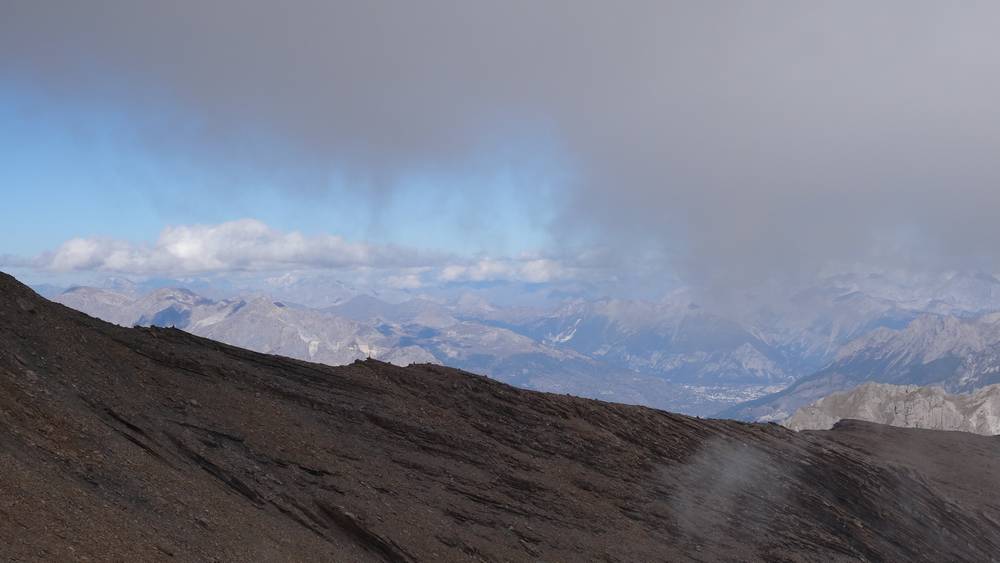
x,y
156,444
415,331
958,354
754,358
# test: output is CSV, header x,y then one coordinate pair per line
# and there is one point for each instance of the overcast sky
x,y
729,141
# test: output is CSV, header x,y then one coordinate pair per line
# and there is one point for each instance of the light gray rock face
x,y
111,306
909,406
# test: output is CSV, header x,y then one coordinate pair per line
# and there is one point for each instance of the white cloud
x,y
244,245
531,270
404,281
250,245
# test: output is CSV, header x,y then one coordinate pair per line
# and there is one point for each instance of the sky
x,y
721,144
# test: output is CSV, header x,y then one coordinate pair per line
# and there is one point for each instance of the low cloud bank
x,y
249,245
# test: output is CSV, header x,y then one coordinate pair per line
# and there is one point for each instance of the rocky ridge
x,y
157,445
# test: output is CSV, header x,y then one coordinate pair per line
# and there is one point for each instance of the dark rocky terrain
x,y
153,444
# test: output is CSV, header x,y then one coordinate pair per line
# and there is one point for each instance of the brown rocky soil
x,y
155,445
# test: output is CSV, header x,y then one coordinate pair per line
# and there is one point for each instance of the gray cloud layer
x,y
743,138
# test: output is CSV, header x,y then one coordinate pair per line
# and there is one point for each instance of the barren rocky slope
x,y
153,444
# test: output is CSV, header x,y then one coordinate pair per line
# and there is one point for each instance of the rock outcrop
x,y
910,406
